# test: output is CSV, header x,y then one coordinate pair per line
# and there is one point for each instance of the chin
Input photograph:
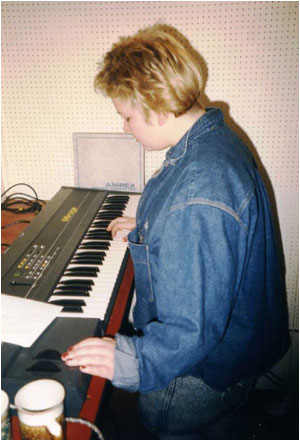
x,y
147,147
153,147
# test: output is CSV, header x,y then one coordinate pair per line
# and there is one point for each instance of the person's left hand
x,y
94,356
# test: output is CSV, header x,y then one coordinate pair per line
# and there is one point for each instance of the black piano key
x,y
118,197
95,242
92,258
109,216
75,272
80,274
94,246
92,269
97,230
98,236
87,260
112,207
74,293
68,302
72,309
90,254
86,282
81,287
103,224
111,212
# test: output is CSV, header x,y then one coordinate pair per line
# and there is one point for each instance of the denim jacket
x,y
210,299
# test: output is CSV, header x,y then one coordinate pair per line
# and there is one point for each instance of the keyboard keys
x,y
93,269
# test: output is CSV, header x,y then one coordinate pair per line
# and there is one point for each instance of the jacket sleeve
x,y
196,270
126,372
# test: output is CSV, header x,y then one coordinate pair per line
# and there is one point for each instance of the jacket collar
x,y
212,119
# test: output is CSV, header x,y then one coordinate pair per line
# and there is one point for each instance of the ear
x,y
162,118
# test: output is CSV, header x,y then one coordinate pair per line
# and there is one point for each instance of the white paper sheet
x,y
23,320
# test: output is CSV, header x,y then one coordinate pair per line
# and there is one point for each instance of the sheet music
x,y
23,320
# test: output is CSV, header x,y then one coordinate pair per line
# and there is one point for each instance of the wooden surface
x,y
8,235
97,385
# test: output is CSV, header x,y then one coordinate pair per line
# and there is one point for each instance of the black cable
x,y
21,183
13,195
32,203
14,223
32,206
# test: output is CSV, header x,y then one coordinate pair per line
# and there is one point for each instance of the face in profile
x,y
150,133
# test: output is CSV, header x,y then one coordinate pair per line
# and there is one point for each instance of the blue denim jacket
x,y
210,300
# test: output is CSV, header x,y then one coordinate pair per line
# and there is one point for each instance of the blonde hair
x,y
153,69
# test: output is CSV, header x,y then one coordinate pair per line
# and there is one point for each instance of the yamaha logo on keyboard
x,y
120,186
70,214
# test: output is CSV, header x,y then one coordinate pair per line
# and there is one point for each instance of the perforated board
x,y
50,52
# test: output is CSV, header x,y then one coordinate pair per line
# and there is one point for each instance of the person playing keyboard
x,y
210,315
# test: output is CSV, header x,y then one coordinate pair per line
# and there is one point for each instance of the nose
x,y
126,127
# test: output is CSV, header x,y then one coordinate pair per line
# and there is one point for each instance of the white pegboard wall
x,y
50,52
48,68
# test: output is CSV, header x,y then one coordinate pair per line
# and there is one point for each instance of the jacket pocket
x,y
145,308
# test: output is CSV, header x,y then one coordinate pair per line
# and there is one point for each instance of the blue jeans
x,y
190,409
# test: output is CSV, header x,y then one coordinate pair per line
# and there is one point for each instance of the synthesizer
x,y
65,257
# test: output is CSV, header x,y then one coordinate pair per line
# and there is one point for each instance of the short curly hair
x,y
153,69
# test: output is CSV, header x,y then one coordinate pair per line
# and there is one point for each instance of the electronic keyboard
x,y
66,257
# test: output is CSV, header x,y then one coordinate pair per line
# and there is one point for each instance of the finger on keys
x,y
121,223
113,223
119,226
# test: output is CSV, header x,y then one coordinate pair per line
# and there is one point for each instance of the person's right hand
x,y
121,223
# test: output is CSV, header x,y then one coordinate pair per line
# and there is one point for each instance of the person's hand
x,y
94,356
121,223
